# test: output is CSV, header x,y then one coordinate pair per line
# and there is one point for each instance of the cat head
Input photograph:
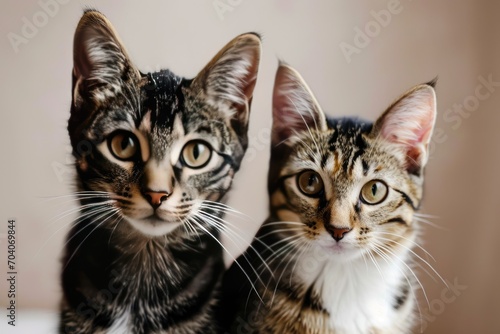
x,y
156,147
353,185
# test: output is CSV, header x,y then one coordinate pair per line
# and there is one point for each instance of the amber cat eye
x,y
123,145
374,192
196,154
310,183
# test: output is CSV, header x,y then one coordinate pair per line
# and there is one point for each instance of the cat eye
x,y
123,145
374,192
196,154
310,183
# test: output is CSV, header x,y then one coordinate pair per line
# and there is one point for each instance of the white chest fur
x,y
358,295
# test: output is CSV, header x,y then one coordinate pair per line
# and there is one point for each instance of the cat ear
x,y
101,63
295,108
228,80
408,123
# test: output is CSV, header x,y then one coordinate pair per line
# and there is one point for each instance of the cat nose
x,y
155,198
338,233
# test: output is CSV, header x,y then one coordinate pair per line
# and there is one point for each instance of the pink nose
x,y
156,198
338,233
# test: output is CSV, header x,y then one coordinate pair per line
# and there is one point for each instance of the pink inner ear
x,y
411,130
294,107
409,123
291,114
414,159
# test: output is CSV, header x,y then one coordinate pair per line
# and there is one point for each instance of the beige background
x,y
457,40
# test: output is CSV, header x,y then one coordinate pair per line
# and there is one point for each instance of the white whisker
x,y
229,253
109,215
389,251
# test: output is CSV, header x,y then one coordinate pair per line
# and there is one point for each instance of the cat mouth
x,y
154,225
155,219
336,247
158,217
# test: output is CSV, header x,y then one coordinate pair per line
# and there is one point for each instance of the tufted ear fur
x,y
408,123
101,63
295,108
228,80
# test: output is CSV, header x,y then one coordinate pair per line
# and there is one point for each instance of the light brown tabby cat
x,y
343,199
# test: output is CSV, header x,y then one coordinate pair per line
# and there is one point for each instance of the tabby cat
x,y
333,255
155,153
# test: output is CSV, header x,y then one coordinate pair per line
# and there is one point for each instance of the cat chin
x,y
153,227
339,251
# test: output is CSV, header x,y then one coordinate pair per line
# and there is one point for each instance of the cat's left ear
x,y
228,80
409,123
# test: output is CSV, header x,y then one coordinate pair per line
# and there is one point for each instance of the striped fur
x,y
311,277
132,265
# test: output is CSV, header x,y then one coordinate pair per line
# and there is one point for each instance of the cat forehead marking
x,y
163,99
348,137
145,125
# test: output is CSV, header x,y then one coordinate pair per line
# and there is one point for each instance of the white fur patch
x,y
152,227
357,295
120,325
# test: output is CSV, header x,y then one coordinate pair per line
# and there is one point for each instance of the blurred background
x,y
356,56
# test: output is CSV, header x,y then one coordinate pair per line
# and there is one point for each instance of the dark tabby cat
x,y
155,153
343,196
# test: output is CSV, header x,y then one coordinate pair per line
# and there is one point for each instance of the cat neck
x,y
105,256
151,272
363,291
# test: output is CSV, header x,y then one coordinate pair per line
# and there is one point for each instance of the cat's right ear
x,y
295,108
100,61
